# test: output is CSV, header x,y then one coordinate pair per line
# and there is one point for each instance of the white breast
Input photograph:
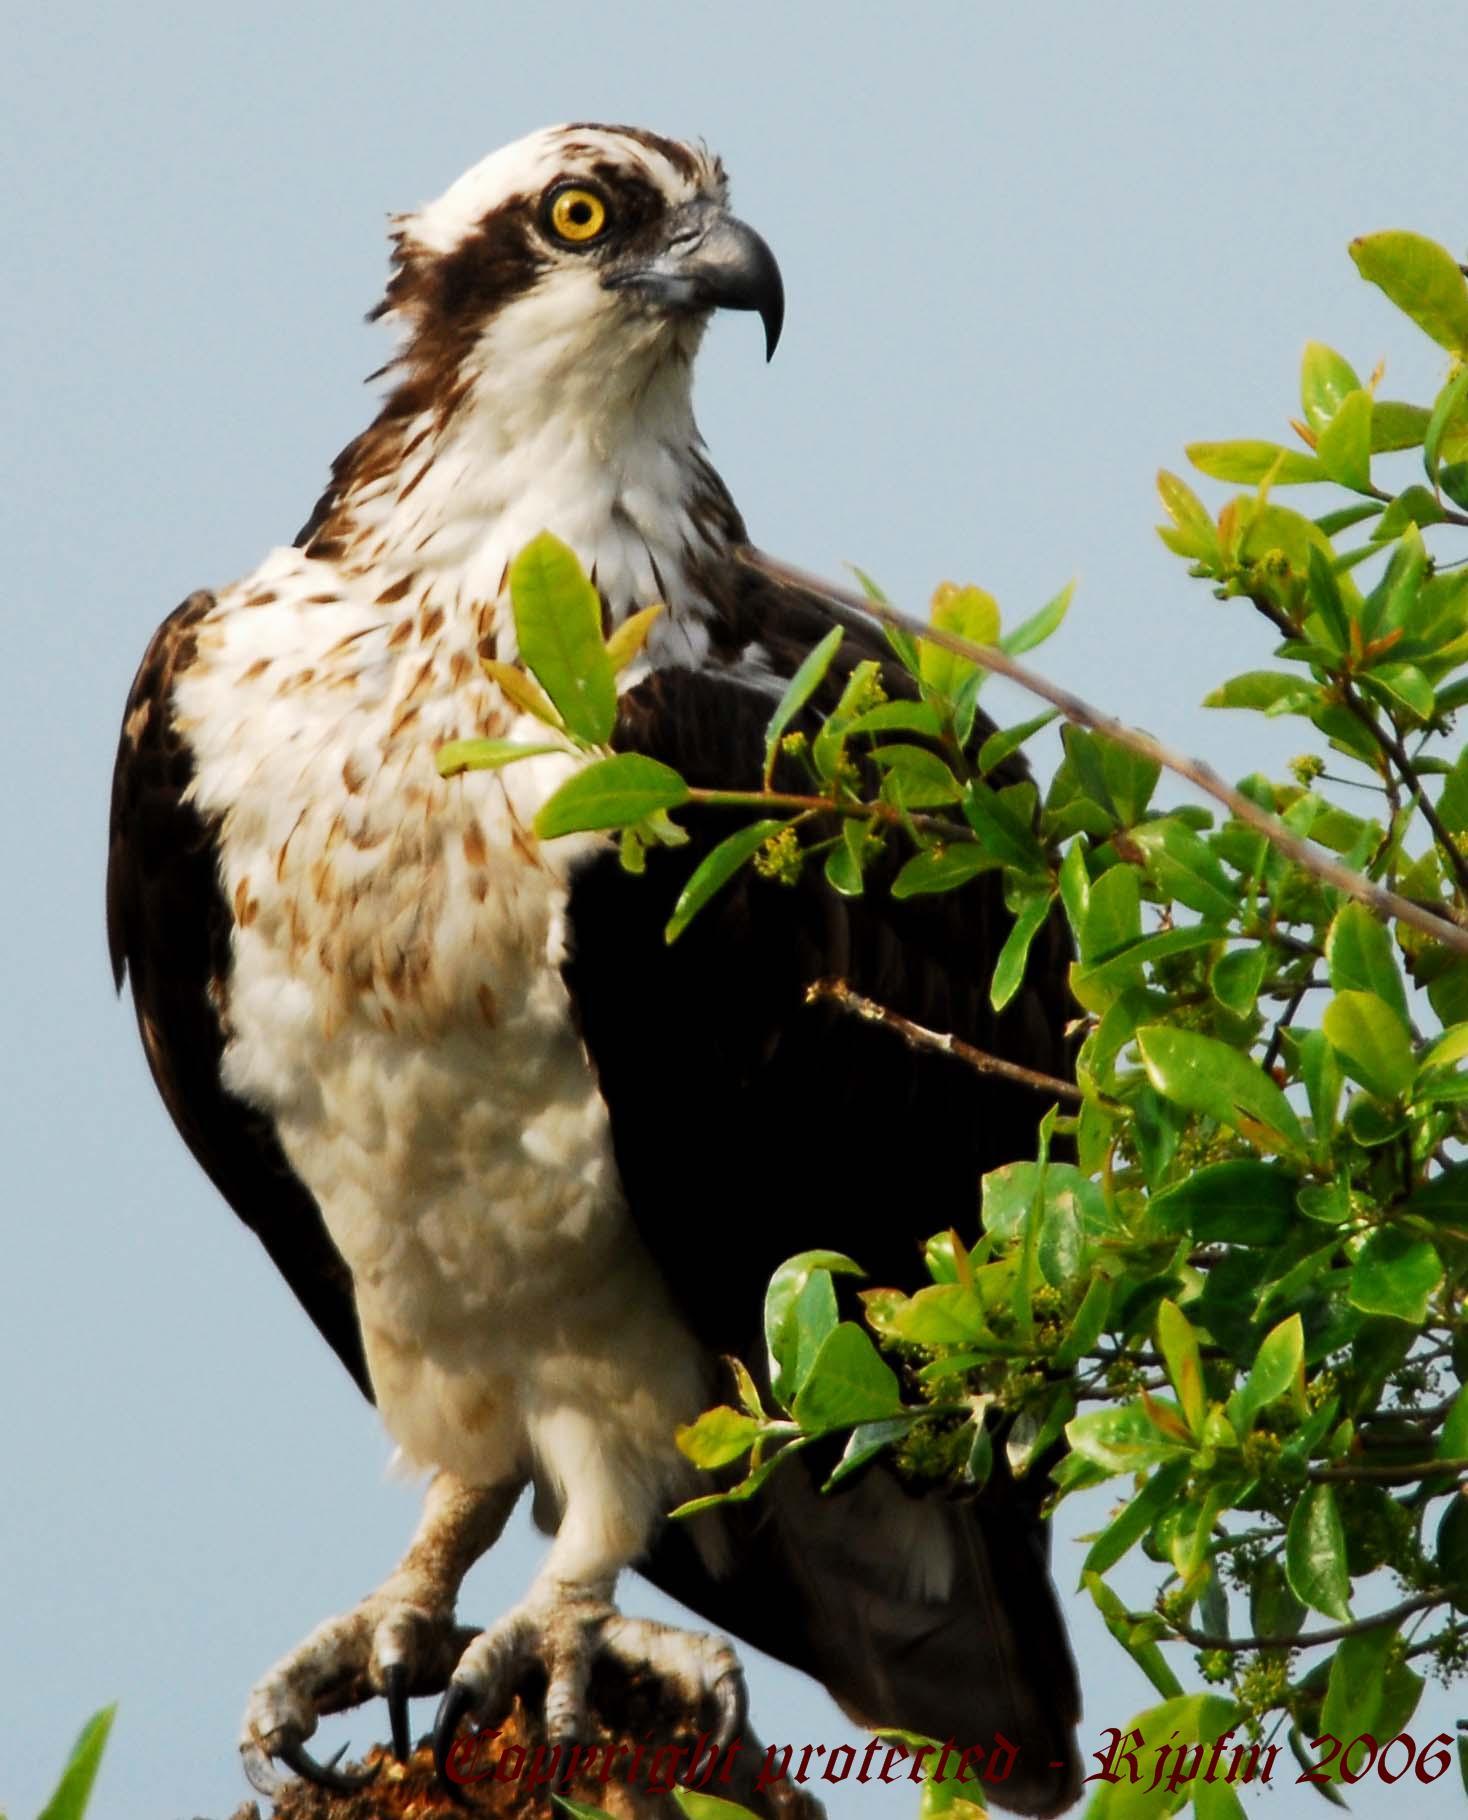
x,y
396,1006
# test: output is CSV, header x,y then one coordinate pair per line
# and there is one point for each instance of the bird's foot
x,y
560,1633
391,1644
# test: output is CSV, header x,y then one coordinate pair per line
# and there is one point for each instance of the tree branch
x,y
1441,926
916,1037
1309,1639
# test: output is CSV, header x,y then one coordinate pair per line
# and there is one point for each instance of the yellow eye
x,y
577,215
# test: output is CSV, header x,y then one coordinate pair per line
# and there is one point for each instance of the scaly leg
x,y
400,1640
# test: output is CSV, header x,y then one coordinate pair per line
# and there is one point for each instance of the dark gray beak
x,y
710,261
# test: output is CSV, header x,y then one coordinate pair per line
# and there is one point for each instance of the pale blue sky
x,y
1028,254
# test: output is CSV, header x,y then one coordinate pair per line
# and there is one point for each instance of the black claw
x,y
396,1689
326,1775
731,1701
458,1700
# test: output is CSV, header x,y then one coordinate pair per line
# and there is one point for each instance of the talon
x,y
396,1689
731,1703
258,1771
326,1775
458,1700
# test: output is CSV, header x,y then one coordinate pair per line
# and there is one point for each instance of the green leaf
x,y
1136,1639
1247,463
866,1441
520,687
1137,1516
941,869
1186,867
1123,1438
1268,691
1237,977
1009,969
844,862
1344,445
1003,830
968,613
1396,1274
558,630
815,1318
613,793
1444,411
74,1790
627,639
715,870
578,1810
484,754
1422,279
915,778
1180,1724
798,691
1452,1443
1178,1345
998,746
1239,1202
1372,1041
1361,957
1412,506
698,1806
1357,1686
1397,426
849,1382
1315,1554
1326,380
718,1436
1113,914
1276,1371
1039,626
1203,1075
781,1297
898,717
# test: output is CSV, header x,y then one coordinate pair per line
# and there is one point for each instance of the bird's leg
x,y
400,1640
566,1620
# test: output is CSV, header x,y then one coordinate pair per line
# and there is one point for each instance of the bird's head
x,y
582,258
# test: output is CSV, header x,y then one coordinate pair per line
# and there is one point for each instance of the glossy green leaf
x,y
998,746
1422,279
848,1382
558,631
1412,506
814,1318
1136,1639
865,1442
898,717
1274,1373
1361,957
1452,1443
1397,426
1009,969
1237,977
1268,691
785,1289
1136,1516
1247,462
718,1436
798,691
1315,1554
578,1810
1178,1344
1004,832
1448,409
1373,1042
1326,381
1396,1274
1113,914
915,778
74,1790
1357,1686
715,870
485,754
696,1805
1186,867
942,869
1344,444
1201,1074
1123,1438
1039,626
968,613
1452,1550
1179,1724
613,793
1239,1202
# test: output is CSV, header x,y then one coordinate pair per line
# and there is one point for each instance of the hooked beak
x,y
710,261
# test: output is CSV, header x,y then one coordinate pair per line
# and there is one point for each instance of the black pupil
x,y
581,213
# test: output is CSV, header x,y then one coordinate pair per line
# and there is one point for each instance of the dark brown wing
x,y
748,1126
168,929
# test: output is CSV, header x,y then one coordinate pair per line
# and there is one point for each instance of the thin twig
x,y
917,1037
1407,1473
1442,926
1396,754
1309,1639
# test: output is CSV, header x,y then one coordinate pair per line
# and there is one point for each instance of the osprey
x,y
527,1167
